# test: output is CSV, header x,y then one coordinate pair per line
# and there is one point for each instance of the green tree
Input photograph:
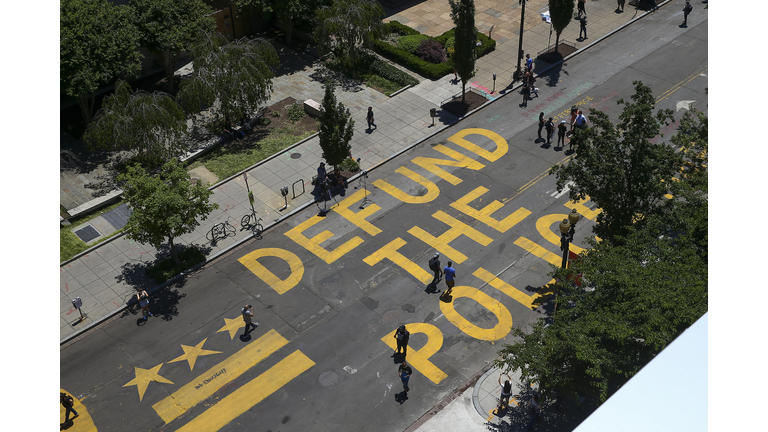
x,y
165,206
561,14
97,42
149,123
286,10
619,168
170,27
465,54
232,77
347,27
336,128
641,295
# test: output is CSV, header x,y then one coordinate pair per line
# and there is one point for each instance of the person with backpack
x,y
67,402
402,336
561,130
550,127
434,265
686,10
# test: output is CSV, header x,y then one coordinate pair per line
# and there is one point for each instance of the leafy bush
x,y
401,29
381,84
264,120
431,51
411,43
296,112
386,70
275,113
350,165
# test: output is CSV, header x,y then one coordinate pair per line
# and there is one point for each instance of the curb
x,y
476,390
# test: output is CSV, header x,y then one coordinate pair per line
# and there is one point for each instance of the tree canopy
x,y
98,42
347,26
561,14
336,128
149,123
465,54
165,206
170,27
618,166
232,77
286,10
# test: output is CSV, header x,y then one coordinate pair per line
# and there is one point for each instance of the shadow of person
x,y
446,298
432,288
66,425
401,397
398,358
141,321
245,337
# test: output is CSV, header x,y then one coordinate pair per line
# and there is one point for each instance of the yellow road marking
x,y
144,376
192,353
441,243
390,252
216,377
432,190
431,164
250,261
359,218
250,394
313,244
484,214
501,143
232,326
544,227
679,85
539,251
499,331
521,297
83,422
582,209
419,359
535,180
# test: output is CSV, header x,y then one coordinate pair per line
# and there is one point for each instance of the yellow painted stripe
x,y
582,209
539,251
419,358
679,85
216,377
488,277
250,394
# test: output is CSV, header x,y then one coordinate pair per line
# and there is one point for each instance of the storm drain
x,y
328,378
87,233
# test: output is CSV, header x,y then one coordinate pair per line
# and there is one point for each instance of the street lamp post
x,y
567,229
518,74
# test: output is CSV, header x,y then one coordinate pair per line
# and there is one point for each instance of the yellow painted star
x,y
233,326
144,376
192,353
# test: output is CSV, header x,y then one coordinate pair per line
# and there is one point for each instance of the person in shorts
x,y
143,299
450,275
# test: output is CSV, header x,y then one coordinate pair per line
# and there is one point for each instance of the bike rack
x,y
303,188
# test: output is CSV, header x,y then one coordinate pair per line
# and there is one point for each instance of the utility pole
x,y
520,44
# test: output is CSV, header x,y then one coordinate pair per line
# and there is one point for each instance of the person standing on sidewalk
x,y
526,92
686,10
583,28
143,299
620,5
550,126
541,123
506,391
369,117
450,276
434,265
402,336
581,7
67,402
247,312
404,371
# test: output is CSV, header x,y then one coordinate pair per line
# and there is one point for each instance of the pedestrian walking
x,y
434,265
582,3
67,402
620,5
534,409
247,312
528,62
506,391
550,126
526,94
143,299
583,28
541,124
532,83
401,336
574,113
369,117
580,121
686,10
450,276
561,129
405,372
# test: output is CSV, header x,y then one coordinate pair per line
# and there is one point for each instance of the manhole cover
x,y
329,378
118,217
87,233
295,155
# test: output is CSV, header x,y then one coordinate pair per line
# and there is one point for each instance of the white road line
x,y
565,190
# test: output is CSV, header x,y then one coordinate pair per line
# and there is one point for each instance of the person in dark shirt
x,y
405,371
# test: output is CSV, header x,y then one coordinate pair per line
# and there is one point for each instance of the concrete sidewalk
x,y
108,276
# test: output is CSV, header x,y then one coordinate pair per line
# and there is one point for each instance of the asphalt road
x,y
329,292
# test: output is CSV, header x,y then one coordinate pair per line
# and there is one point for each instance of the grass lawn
x,y
70,244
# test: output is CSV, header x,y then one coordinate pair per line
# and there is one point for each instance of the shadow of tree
x,y
322,74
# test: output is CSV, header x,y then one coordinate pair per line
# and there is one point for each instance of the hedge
x,y
414,63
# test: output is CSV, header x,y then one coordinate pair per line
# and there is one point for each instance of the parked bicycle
x,y
220,231
252,222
